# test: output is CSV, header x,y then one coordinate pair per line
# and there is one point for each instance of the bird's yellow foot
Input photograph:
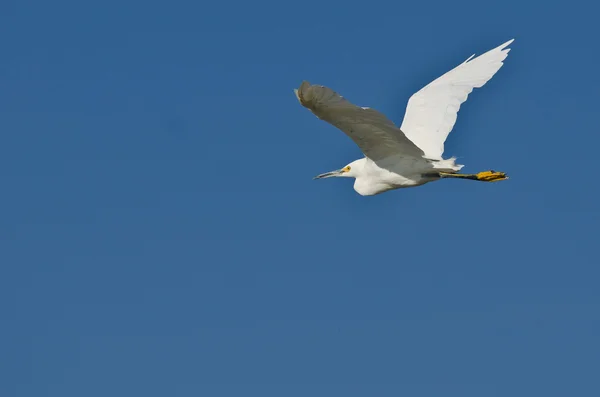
x,y
484,176
491,176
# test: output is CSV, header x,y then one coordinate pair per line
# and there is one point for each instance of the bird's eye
x,y
347,168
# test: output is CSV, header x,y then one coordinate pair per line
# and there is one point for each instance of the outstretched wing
x,y
431,112
376,136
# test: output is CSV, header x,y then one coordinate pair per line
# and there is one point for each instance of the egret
x,y
412,154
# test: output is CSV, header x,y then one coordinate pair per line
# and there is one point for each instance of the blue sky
x,y
161,233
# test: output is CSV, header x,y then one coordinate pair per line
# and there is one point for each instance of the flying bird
x,y
412,154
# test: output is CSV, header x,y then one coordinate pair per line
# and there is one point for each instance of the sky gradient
x,y
161,234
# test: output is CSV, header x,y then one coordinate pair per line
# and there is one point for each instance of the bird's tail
x,y
448,165
484,176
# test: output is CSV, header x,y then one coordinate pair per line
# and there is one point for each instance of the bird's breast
x,y
382,182
369,188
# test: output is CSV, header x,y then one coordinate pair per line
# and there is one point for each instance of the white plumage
x,y
431,112
412,154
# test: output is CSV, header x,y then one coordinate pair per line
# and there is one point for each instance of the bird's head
x,y
352,170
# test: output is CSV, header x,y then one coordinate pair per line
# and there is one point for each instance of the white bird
x,y
412,154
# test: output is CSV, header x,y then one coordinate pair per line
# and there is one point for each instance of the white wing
x,y
374,133
431,112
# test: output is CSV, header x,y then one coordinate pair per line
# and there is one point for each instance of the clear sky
x,y
161,234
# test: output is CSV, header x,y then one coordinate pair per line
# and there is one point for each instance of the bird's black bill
x,y
328,174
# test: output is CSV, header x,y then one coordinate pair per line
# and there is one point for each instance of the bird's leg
x,y
484,176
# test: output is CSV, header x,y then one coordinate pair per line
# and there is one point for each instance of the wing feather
x,y
431,112
375,134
